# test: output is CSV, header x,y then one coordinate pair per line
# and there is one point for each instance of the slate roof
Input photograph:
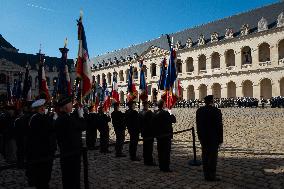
x,y
270,13
5,44
21,59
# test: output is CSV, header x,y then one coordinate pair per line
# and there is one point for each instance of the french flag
x,y
143,93
83,66
43,88
114,93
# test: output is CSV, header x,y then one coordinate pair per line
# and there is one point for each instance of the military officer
x,y
118,123
210,133
164,132
103,127
145,119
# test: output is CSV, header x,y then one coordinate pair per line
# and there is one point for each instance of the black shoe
x,y
120,155
166,170
135,159
150,164
213,179
105,151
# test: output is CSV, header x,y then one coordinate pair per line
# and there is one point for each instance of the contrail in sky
x,y
40,7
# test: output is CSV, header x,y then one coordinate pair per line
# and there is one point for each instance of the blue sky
x,y
109,24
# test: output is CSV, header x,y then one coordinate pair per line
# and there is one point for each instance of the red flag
x,y
83,67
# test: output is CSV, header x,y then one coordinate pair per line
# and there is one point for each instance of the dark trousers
x,y
104,139
120,137
134,138
70,168
21,149
148,150
39,172
209,161
164,152
91,137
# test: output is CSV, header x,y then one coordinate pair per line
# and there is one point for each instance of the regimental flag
x,y
143,92
114,92
14,90
132,92
19,87
97,90
163,74
83,66
43,88
27,88
9,92
105,97
171,83
64,82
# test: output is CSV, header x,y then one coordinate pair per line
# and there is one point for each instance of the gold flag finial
x,y
65,42
81,14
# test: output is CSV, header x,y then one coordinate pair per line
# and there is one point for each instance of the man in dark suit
x,y
163,121
119,128
210,133
102,122
69,127
131,121
145,119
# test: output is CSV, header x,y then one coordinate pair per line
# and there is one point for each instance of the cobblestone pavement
x,y
252,156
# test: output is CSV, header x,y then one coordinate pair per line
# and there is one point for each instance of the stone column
x,y
256,90
224,91
275,88
254,56
239,90
274,55
222,63
195,65
238,59
183,67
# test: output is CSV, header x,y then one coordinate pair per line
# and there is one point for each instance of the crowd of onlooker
x,y
238,102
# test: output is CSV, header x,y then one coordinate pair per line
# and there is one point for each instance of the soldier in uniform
x,y
131,121
69,127
41,147
118,123
164,132
210,133
91,130
145,119
102,123
21,132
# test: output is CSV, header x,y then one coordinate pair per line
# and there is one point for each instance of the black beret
x,y
208,98
64,100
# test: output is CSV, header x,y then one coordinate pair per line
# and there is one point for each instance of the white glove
x,y
45,111
55,116
80,113
170,111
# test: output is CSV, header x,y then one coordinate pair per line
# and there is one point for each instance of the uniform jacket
x,y
163,122
209,126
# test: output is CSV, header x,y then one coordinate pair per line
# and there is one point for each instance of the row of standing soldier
x,y
38,134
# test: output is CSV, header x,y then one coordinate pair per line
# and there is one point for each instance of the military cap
x,y
38,103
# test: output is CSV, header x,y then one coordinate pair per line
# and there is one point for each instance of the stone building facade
x,y
12,63
238,56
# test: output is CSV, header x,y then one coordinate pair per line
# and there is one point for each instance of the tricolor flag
x,y
83,66
43,89
163,74
143,93
114,92
26,95
171,83
132,92
106,97
64,82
